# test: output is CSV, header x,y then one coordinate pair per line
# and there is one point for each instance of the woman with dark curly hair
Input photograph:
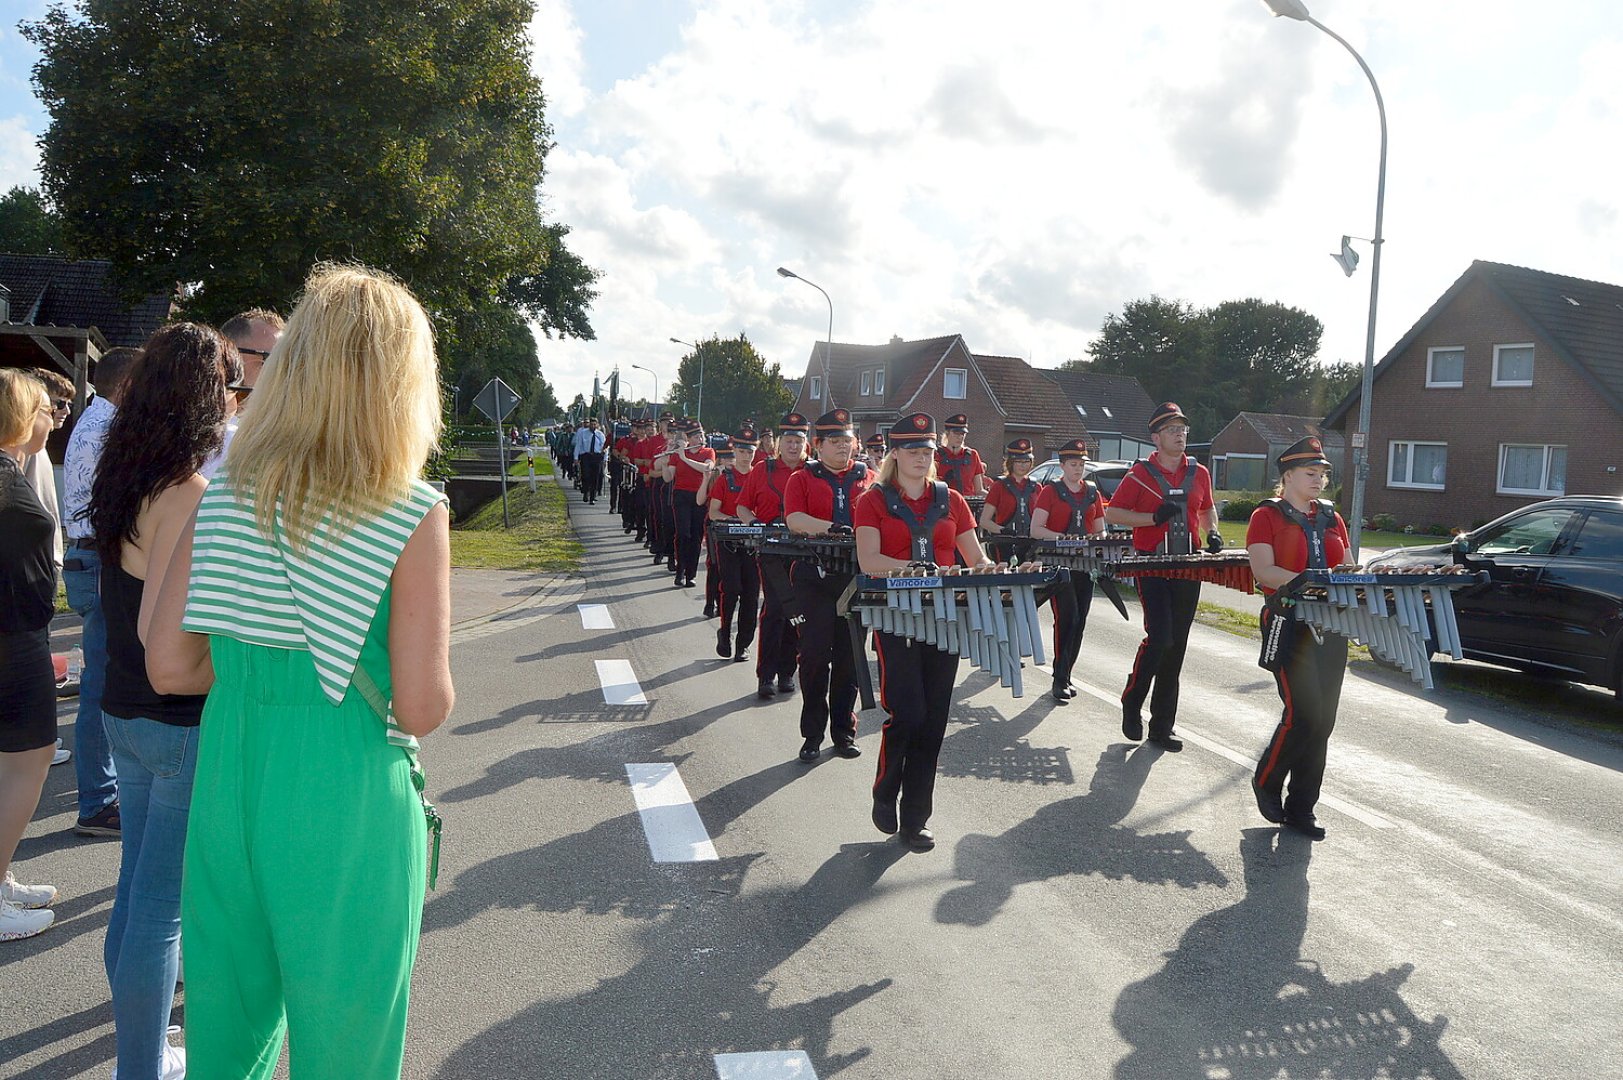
x,y
146,489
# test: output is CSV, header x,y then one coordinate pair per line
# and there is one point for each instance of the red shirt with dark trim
x,y
896,537
1269,526
623,445
687,478
1001,498
1139,491
724,497
763,491
1059,511
808,494
970,468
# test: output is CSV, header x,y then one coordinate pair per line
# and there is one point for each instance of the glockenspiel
x,y
1231,569
1398,617
1095,555
834,552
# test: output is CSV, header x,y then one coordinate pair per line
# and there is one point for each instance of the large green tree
x,y
737,382
229,146
491,342
28,225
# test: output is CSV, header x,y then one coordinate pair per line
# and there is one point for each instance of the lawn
x,y
540,538
1234,536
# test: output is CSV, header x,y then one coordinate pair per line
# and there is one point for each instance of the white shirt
x,y
588,441
79,464
212,465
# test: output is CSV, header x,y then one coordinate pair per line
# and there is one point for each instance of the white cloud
x,y
19,154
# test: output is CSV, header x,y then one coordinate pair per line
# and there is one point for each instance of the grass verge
x,y
540,538
1371,540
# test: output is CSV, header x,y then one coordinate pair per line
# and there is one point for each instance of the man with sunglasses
x,y
254,333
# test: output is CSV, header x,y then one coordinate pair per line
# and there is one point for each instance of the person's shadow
x,y
1236,999
1081,835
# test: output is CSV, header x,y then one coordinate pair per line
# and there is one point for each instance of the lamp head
x,y
1291,9
782,272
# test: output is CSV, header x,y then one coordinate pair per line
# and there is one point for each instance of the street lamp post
x,y
698,410
653,405
1295,9
828,351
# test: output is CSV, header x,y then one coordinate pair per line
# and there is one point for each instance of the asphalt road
x,y
1093,909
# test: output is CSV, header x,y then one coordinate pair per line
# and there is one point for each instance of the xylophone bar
x,y
1231,569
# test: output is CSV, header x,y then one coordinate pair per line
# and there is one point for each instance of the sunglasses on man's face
x,y
58,404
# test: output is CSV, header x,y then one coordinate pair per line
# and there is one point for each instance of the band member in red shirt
x,y
908,517
1010,499
820,498
958,465
1295,531
642,460
685,471
1167,499
740,577
621,474
777,642
1069,506
873,448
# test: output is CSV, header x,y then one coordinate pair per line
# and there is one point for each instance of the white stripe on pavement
x,y
595,617
619,683
765,1065
675,833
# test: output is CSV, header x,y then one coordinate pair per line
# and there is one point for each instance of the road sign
x,y
496,400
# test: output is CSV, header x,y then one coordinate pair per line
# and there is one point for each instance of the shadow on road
x,y
992,748
1080,835
1236,999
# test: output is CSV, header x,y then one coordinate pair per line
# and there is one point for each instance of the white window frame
x,y
1391,453
1497,349
1431,355
1082,412
948,373
879,382
867,383
815,387
1544,492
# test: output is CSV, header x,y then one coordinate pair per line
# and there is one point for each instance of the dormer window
x,y
867,383
879,382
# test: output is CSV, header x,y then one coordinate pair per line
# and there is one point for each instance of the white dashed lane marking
x,y
619,682
671,821
765,1065
595,617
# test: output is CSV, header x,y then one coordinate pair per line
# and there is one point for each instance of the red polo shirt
x,y
763,491
623,445
1059,511
969,466
645,449
810,494
722,496
688,478
1139,491
896,538
1268,526
1001,497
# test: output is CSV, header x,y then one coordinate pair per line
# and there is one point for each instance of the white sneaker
x,y
174,1061
26,896
62,755
17,923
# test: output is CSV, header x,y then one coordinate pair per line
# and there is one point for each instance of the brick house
x,y
1244,451
1475,409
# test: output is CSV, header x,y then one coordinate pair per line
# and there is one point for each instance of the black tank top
x,y
129,695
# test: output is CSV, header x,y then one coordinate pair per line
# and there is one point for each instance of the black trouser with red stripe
x,y
712,569
828,679
915,688
1070,607
779,641
1310,686
1169,609
740,590
661,524
630,500
689,532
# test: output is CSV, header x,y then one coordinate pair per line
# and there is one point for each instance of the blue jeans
x,y
155,766
93,761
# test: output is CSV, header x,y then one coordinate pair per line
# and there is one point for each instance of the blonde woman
x,y
312,591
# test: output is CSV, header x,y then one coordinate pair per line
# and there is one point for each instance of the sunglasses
x,y
242,392
261,353
58,404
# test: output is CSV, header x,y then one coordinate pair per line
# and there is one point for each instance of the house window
x,y
955,383
879,382
1513,365
1445,367
867,383
1080,411
1108,413
1417,465
1532,470
816,392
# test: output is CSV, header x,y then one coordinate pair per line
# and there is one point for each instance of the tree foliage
x,y
738,382
28,225
495,342
230,146
1242,355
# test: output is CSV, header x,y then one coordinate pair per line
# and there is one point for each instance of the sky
x,y
1016,172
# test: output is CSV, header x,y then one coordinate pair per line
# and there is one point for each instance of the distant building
x,y
1243,452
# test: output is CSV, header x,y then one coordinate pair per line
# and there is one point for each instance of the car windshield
x,y
1535,533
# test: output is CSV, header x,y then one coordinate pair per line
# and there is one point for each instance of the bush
x,y
1384,523
1239,509
1439,530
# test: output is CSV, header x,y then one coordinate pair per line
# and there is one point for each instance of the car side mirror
x,y
1461,547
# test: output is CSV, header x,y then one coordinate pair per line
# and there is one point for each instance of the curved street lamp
x,y
698,410
1295,9
654,405
828,352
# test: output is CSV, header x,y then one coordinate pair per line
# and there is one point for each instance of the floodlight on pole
x,y
1295,9
656,403
698,410
828,351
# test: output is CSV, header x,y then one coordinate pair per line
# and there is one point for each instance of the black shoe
x,y
1268,804
1071,691
1306,824
670,564
809,751
786,685
884,816
920,839
1132,728
679,582
724,642
764,690
642,538
1168,742
741,654
688,584
658,559
710,613
847,750
1060,696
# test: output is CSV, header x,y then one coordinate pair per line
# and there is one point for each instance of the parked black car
x,y
1553,602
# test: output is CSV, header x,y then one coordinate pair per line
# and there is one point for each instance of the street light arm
x,y
828,352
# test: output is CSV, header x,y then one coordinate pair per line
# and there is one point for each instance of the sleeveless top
x,y
129,694
257,590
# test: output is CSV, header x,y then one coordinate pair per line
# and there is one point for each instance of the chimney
x,y
895,339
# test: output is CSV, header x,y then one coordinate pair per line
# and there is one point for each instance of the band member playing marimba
x,y
740,576
762,500
1292,532
960,466
1010,499
907,517
1167,499
1070,506
819,499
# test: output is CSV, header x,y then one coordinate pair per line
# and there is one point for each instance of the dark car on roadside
x,y
1107,474
1553,601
